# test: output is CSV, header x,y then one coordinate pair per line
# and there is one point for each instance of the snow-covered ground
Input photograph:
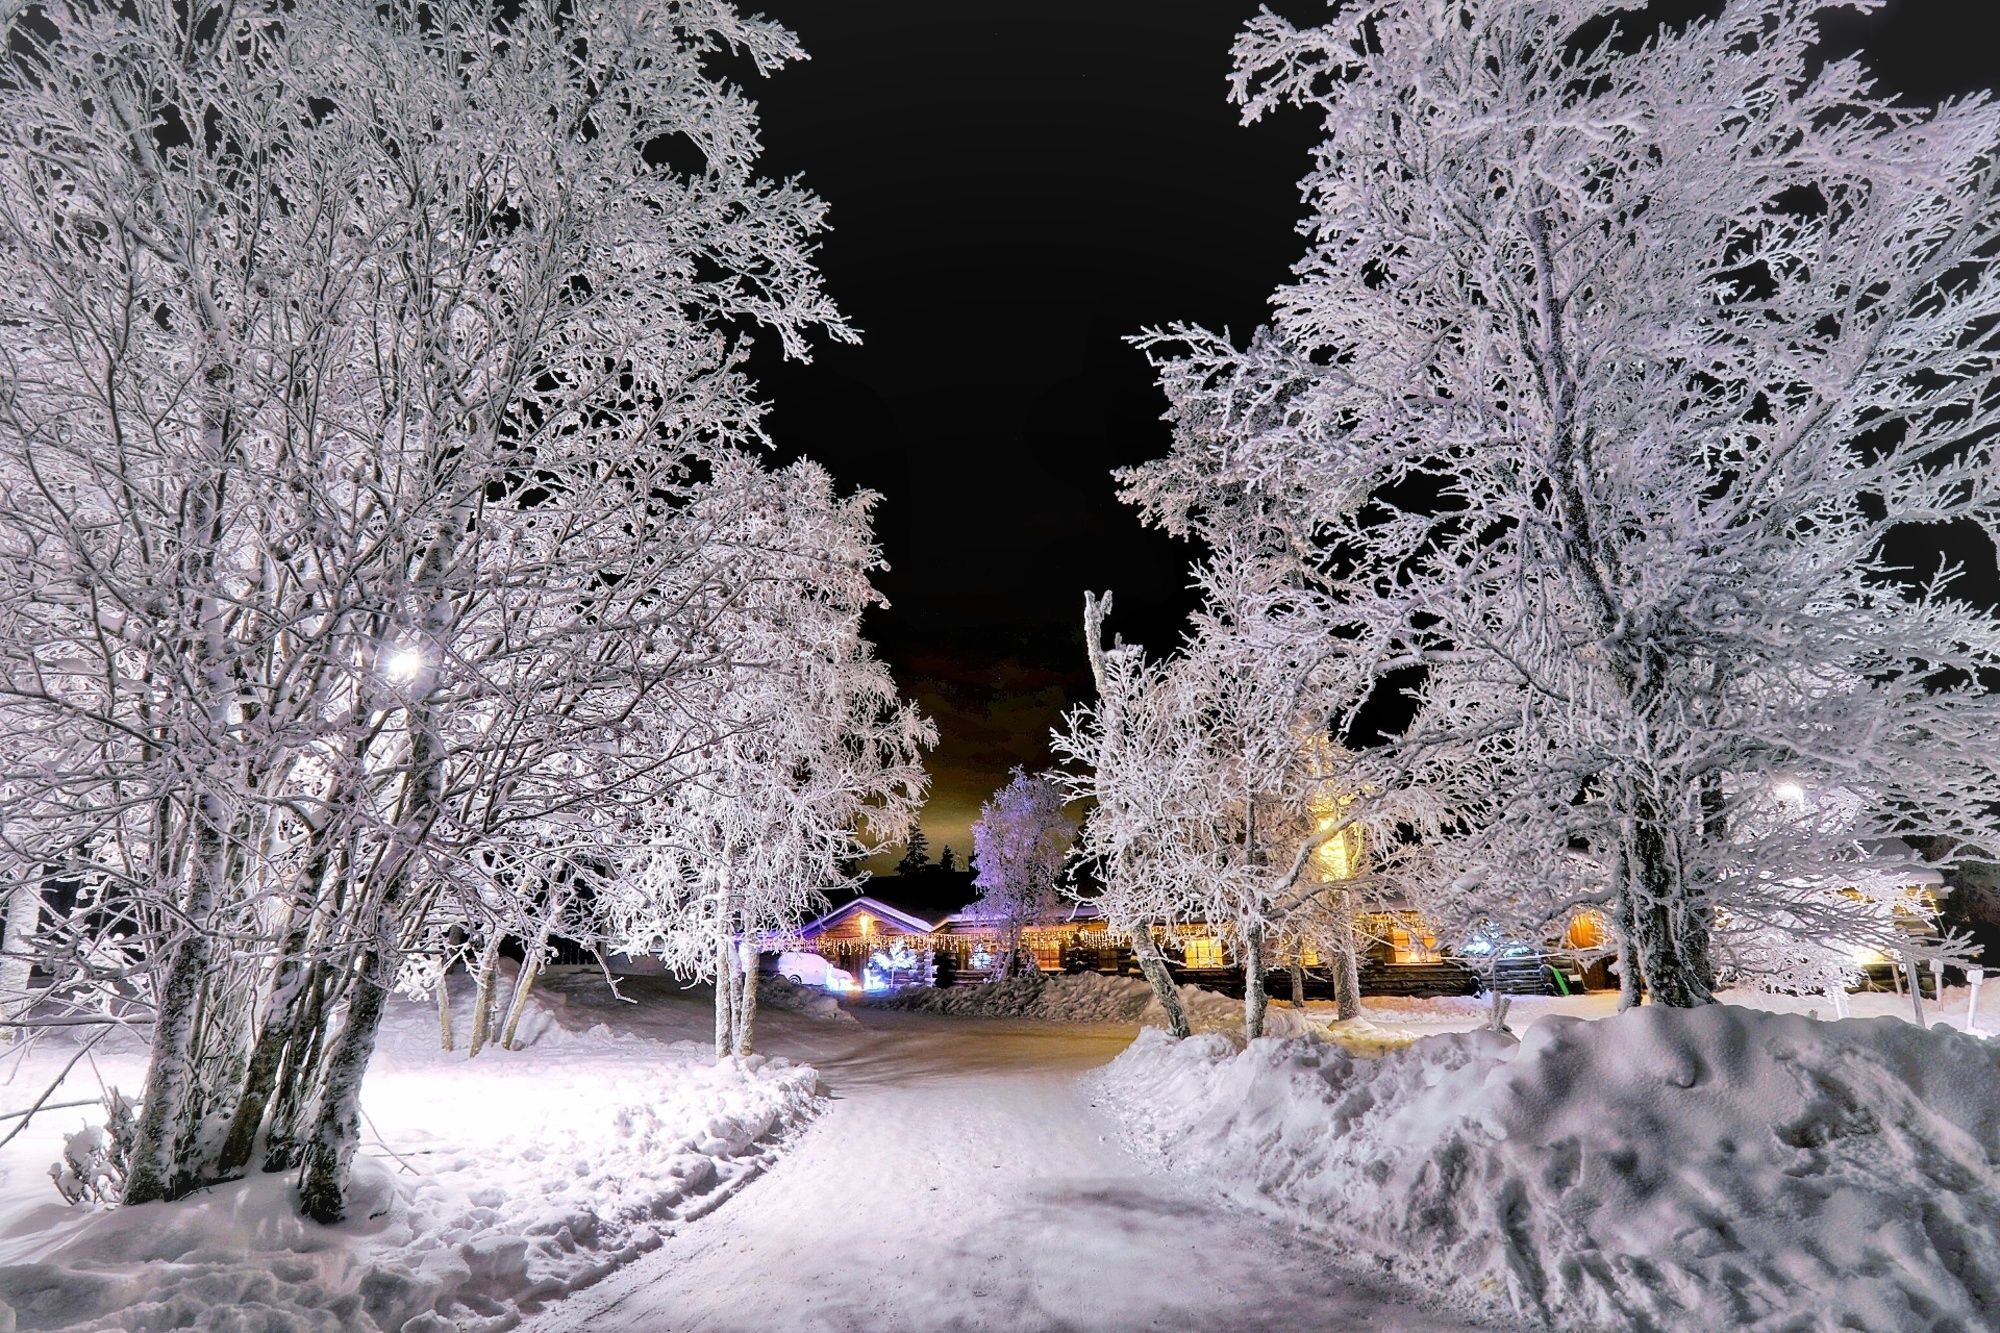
x,y
1728,1167
482,1184
963,1180
1088,997
1389,1021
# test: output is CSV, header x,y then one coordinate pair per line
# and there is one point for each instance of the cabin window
x,y
1586,930
866,923
1308,957
1204,951
1048,956
1409,946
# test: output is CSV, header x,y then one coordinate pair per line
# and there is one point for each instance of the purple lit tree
x,y
1020,842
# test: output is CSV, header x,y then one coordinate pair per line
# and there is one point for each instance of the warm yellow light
x,y
867,923
1586,930
1203,951
1340,855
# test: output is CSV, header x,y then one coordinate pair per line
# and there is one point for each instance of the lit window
x,y
1204,951
1048,957
1408,948
1586,930
866,922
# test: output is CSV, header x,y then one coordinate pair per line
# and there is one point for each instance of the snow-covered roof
x,y
1077,911
928,922
864,903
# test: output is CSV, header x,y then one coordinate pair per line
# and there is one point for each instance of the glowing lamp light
x,y
404,665
1789,791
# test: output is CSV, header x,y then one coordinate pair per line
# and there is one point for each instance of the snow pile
x,y
1364,1035
1719,1167
1086,997
779,992
522,1198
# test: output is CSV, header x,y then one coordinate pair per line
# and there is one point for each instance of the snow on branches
x,y
1020,842
1217,797
375,398
811,761
1622,357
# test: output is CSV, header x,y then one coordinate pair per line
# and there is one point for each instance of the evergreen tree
x,y
916,852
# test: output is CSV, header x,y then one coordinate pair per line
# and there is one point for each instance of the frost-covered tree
x,y
1022,838
1217,796
1117,747
813,762
362,363
1621,359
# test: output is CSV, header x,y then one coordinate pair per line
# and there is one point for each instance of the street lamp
x,y
404,666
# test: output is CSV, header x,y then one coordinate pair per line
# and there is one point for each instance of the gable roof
x,y
932,893
864,902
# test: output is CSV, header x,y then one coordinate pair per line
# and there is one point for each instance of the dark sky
x,y
1015,187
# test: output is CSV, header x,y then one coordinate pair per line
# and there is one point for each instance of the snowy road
x,y
962,1181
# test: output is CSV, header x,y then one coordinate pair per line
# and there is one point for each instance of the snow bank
x,y
778,992
1086,997
528,1179
1719,1168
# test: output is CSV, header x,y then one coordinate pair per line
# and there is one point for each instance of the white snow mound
x,y
778,992
461,1238
1711,1168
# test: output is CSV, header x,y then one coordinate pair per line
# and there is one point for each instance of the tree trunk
x,y
446,1037
336,1129
1254,997
519,1004
1672,919
1298,972
274,1037
1155,969
746,1007
1347,966
155,1172
482,1002
291,1089
1628,953
17,952
725,1003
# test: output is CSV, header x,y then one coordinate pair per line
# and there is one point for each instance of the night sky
x,y
1015,188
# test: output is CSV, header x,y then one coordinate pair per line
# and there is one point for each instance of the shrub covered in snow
x,y
1709,1168
1087,997
777,992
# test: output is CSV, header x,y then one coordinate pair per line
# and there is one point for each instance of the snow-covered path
x,y
963,1181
